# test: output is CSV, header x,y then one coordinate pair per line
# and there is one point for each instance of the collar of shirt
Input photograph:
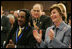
x,y
35,18
22,27
60,26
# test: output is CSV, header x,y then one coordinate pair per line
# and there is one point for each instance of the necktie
x,y
56,31
20,30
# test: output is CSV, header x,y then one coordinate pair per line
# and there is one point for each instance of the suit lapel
x,y
22,35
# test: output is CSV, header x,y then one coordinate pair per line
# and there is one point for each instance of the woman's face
x,y
55,16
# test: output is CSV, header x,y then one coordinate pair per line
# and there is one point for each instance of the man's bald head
x,y
37,10
38,5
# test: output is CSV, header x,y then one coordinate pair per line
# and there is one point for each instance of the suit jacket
x,y
5,23
61,40
26,41
43,23
6,28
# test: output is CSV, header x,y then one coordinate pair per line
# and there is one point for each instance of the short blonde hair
x,y
60,10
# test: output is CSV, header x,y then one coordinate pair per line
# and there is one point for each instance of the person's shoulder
x,y
47,18
5,17
51,27
43,16
67,26
28,28
68,29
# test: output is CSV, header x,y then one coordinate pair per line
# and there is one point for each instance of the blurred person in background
x,y
6,12
11,12
5,27
11,19
16,13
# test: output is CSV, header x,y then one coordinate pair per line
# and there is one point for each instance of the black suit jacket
x,y
26,41
5,23
46,22
43,23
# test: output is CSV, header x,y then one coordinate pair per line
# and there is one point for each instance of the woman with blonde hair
x,y
58,35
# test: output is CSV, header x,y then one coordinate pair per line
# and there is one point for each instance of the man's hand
x,y
10,45
37,36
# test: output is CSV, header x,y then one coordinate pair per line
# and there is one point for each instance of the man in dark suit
x,y
22,35
39,20
5,27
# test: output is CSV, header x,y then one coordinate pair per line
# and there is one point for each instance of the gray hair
x,y
10,16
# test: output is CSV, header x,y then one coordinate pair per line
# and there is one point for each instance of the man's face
x,y
37,11
11,12
55,16
21,18
16,14
1,10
